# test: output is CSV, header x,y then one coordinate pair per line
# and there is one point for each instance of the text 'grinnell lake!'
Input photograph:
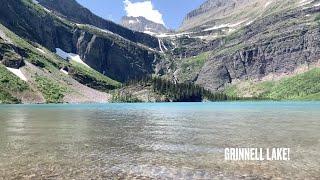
x,y
257,154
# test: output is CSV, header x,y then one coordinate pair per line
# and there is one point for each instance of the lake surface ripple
x,y
157,141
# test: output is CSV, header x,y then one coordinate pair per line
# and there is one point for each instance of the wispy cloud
x,y
144,9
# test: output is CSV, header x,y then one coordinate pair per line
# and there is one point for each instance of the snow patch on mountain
x,y
35,1
304,2
70,56
41,50
267,4
316,5
18,73
150,33
132,22
225,26
64,71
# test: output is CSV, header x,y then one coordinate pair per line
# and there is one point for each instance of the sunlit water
x,y
160,141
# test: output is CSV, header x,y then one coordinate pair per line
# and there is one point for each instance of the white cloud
x,y
144,9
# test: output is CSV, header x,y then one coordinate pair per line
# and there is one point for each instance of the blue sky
x,y
170,12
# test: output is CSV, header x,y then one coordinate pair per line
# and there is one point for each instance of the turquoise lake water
x,y
160,141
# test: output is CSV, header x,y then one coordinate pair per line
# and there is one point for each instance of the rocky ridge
x,y
217,14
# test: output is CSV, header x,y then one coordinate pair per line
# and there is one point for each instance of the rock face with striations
x,y
274,45
117,58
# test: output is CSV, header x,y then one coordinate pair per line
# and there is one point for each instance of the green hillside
x,y
45,75
305,86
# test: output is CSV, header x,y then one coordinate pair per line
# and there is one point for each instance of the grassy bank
x,y
10,86
305,86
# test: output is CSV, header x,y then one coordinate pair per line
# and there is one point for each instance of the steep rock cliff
x,y
274,45
106,52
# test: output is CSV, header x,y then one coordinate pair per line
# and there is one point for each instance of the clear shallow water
x,y
179,140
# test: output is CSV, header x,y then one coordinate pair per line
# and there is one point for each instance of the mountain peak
x,y
142,24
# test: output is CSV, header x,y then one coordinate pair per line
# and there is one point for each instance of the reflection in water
x,y
156,140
